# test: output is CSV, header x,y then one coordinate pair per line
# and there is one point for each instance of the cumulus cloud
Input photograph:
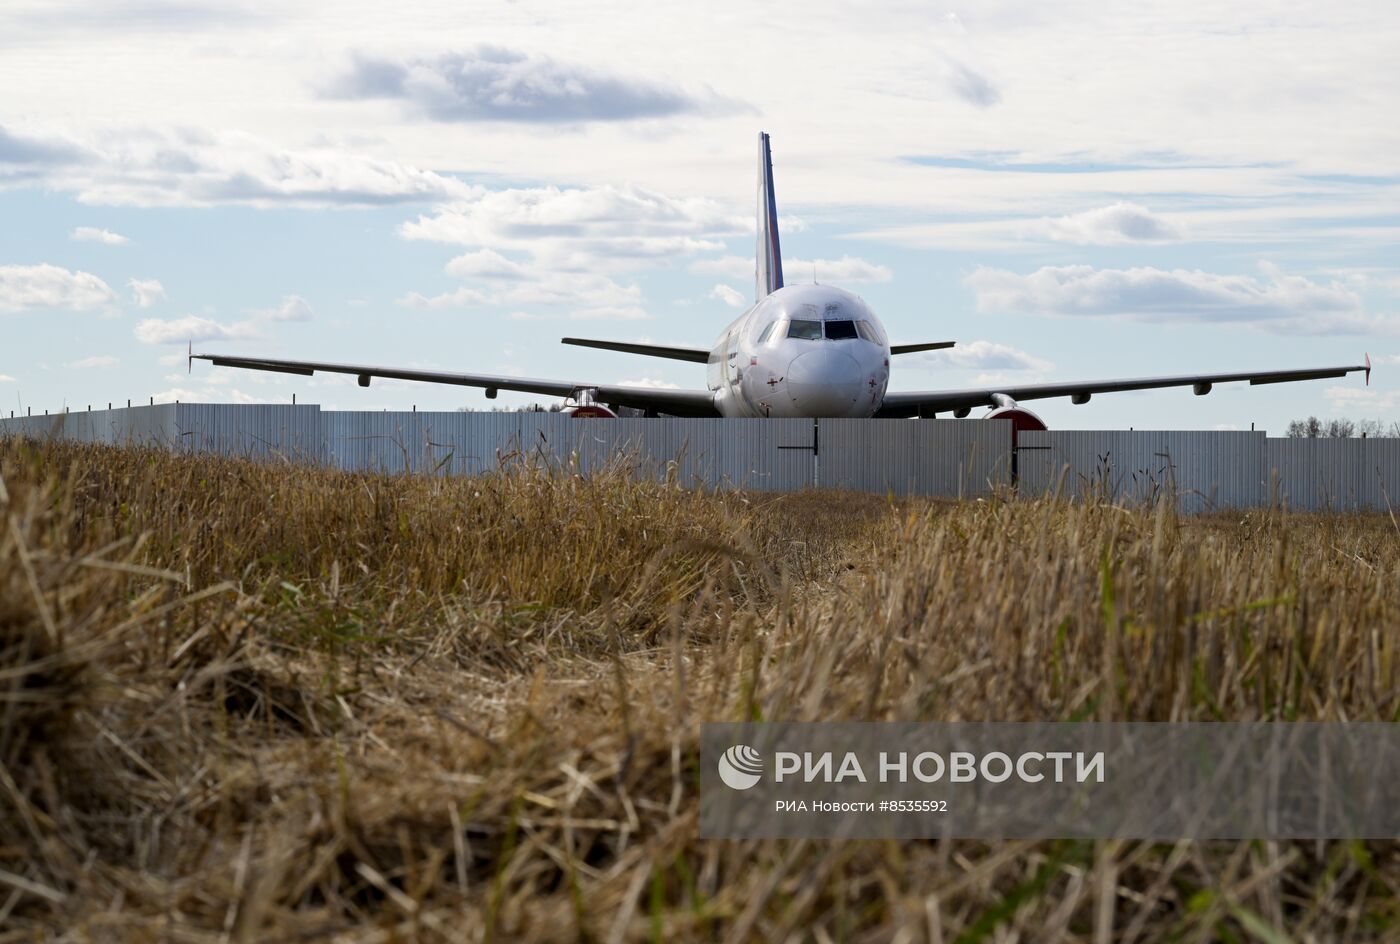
x,y
96,362
1117,223
6,378
1277,302
846,269
191,328
578,228
146,292
49,287
91,234
981,355
486,264
128,167
650,383
562,247
290,308
728,295
18,149
491,83
584,295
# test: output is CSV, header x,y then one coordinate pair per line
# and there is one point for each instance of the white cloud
x,y
1114,224
490,83
486,264
980,355
180,394
290,308
650,383
730,296
1288,304
151,167
41,287
96,362
846,269
1358,401
94,235
460,298
6,378
565,245
576,229
191,328
969,85
146,292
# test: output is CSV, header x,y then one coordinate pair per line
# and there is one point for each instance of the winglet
x,y
1368,370
189,360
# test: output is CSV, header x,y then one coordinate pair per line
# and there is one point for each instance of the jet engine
x,y
587,405
1022,419
592,410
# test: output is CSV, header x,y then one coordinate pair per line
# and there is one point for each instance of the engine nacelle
x,y
1021,419
591,411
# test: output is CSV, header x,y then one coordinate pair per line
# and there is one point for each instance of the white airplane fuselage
x,y
803,350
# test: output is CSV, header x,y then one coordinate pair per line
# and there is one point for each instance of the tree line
x,y
1314,428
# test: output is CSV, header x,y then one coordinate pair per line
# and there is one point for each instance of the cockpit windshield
x,y
840,330
805,330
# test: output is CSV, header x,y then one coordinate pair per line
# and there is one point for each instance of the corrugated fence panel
x,y
915,457
1326,474
253,431
1205,470
135,426
1380,474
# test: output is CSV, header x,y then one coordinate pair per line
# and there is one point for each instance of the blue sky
x,y
1070,192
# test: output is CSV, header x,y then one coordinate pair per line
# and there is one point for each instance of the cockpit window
x,y
840,330
870,332
767,332
806,330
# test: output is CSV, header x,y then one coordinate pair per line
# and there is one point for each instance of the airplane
x,y
801,350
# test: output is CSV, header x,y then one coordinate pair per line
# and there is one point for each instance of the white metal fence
x,y
1205,470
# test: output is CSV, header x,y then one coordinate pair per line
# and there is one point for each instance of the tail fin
x,y
769,257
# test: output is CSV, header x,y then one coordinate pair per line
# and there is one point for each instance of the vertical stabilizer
x,y
770,258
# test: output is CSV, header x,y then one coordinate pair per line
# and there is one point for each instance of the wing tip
x,y
1368,369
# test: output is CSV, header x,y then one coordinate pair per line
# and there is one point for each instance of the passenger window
x,y
767,332
806,330
840,330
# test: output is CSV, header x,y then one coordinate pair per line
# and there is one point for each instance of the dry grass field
x,y
244,702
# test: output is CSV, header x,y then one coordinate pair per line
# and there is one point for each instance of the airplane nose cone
x,y
825,383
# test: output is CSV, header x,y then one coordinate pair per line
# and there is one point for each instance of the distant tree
x,y
1340,429
1314,428
1371,429
1309,428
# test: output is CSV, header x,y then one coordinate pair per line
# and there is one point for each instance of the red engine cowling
x,y
594,410
1022,420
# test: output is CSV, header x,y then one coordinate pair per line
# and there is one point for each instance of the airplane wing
x,y
915,348
671,402
925,403
696,355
